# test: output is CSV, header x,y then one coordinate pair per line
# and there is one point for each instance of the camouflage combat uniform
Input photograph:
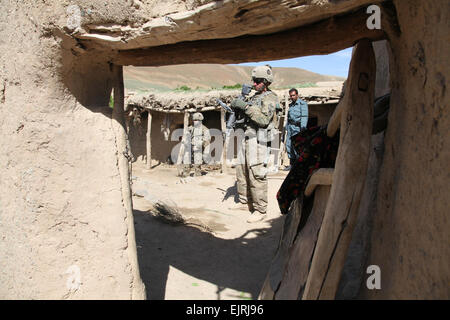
x,y
253,153
196,149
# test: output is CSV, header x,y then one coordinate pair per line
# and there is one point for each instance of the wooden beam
x,y
223,165
324,37
288,234
149,141
323,176
283,152
301,253
191,110
348,179
335,120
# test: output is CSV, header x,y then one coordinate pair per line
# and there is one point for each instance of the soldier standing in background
x,y
253,154
198,138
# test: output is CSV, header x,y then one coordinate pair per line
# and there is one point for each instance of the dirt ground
x,y
215,253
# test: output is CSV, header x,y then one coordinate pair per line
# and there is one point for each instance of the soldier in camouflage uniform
x,y
198,138
253,154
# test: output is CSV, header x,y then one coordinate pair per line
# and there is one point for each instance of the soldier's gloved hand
x,y
239,104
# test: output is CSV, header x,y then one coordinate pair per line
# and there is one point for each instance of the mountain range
x,y
213,76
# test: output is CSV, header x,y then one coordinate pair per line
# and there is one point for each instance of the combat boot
x,y
197,171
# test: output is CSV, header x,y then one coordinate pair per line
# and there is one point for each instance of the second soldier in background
x,y
197,140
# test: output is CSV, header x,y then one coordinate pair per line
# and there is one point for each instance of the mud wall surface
x,y
321,112
63,224
410,234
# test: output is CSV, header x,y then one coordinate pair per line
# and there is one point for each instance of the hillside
x,y
207,76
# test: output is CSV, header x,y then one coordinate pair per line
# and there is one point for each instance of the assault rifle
x,y
235,118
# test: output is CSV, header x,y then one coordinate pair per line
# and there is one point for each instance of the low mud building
x,y
157,139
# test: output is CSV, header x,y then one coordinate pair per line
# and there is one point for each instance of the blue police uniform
x,y
297,120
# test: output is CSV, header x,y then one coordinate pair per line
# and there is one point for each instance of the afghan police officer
x,y
297,121
259,113
198,141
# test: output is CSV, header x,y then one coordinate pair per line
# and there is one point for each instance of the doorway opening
x,y
192,238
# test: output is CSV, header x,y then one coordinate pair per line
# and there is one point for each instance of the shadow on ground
x,y
240,264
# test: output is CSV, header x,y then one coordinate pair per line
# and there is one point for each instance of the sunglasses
x,y
257,80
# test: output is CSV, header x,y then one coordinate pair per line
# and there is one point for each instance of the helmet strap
x,y
265,87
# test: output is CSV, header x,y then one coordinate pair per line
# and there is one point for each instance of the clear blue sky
x,y
335,64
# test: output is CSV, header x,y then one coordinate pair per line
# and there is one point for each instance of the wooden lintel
x,y
223,164
324,37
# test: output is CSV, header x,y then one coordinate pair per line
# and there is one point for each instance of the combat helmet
x,y
197,116
263,72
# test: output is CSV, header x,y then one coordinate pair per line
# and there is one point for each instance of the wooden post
x,y
223,165
348,179
288,234
183,143
283,151
335,120
149,141
301,252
